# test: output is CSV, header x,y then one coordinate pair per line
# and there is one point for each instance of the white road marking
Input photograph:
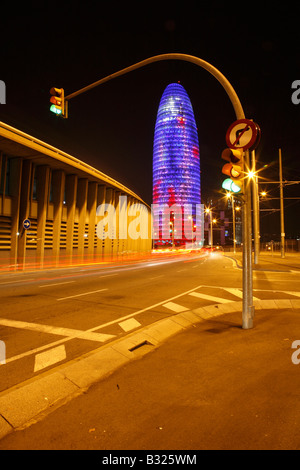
x,y
56,284
118,320
175,307
231,290
55,330
79,295
220,300
64,340
37,350
50,357
142,310
234,291
108,275
130,324
15,282
237,292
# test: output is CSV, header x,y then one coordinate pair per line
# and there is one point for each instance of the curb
x,y
254,268
30,401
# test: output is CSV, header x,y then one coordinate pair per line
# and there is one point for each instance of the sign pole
x,y
244,134
248,308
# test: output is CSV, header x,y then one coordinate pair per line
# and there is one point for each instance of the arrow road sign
x,y
26,224
243,134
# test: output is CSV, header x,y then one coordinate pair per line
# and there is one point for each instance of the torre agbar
x,y
176,164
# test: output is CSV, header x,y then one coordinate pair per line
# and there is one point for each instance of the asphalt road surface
x,y
51,317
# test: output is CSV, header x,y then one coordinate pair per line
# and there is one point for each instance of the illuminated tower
x,y
176,162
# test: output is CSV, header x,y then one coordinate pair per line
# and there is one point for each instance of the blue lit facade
x,y
176,159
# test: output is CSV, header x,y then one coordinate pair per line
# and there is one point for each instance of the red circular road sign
x,y
243,134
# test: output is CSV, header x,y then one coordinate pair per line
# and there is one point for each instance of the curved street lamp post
x,y
248,308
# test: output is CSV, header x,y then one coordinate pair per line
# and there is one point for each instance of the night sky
x,y
72,44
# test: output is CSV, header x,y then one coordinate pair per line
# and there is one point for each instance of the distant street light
x,y
209,211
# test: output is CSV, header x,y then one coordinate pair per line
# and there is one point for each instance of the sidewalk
x,y
271,262
211,386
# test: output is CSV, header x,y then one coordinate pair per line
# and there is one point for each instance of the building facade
x,y
51,205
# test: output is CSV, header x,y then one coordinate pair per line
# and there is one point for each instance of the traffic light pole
x,y
255,200
248,308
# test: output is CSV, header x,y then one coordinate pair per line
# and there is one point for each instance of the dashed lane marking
x,y
84,293
129,325
175,307
15,282
50,357
56,284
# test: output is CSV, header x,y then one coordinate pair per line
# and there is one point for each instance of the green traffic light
x,y
54,109
230,186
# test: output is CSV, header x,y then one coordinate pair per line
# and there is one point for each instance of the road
x,y
51,317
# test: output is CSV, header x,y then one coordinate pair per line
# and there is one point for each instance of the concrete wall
x,y
62,209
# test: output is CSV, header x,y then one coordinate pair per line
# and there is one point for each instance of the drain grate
x,y
140,345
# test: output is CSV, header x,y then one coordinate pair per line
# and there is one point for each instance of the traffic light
x,y
233,169
58,101
229,185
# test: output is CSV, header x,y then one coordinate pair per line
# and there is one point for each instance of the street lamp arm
x,y
173,56
248,308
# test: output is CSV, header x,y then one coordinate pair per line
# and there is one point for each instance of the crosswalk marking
x,y
210,297
130,324
50,357
175,307
236,292
54,330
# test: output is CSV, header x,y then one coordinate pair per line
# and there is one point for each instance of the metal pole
x,y
239,112
248,308
255,209
233,224
281,209
211,232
